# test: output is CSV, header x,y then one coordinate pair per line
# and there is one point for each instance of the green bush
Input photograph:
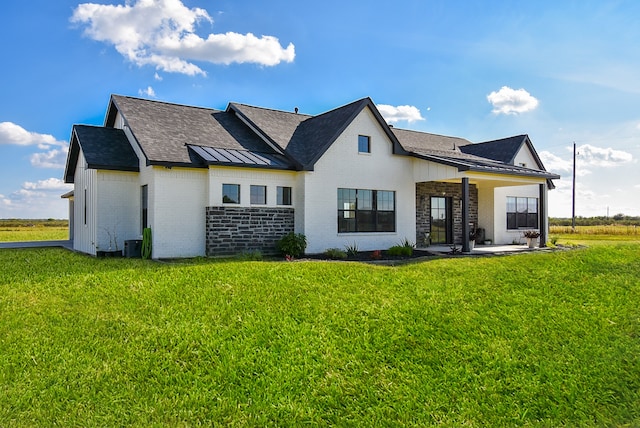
x,y
352,249
292,244
335,254
400,250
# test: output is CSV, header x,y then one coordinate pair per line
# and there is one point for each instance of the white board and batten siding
x,y
85,207
377,170
105,208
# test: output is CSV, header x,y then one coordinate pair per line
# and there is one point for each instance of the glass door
x,y
441,220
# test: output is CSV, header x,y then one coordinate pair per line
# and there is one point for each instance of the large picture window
x,y
522,213
361,210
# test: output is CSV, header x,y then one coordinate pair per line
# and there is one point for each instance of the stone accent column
x,y
424,192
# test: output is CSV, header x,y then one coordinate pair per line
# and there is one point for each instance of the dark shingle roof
x,y
103,148
173,134
301,137
164,130
502,150
462,154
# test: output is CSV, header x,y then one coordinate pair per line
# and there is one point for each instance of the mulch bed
x,y
381,257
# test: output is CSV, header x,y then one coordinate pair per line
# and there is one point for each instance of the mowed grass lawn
x,y
538,339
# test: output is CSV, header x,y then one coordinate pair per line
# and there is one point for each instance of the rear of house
x,y
210,182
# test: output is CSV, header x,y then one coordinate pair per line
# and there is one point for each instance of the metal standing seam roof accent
x,y
213,155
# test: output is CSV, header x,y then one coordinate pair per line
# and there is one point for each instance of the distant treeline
x,y
618,219
20,222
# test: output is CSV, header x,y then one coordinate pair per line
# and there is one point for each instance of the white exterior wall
x,y
343,167
112,207
246,177
487,212
177,200
118,208
503,236
85,226
525,158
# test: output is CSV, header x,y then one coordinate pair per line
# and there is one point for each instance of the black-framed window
x,y
258,195
364,144
283,195
364,210
84,213
231,193
144,204
522,213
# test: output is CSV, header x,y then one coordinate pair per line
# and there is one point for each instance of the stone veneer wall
x,y
424,192
231,230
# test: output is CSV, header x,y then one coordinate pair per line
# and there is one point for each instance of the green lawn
x,y
536,339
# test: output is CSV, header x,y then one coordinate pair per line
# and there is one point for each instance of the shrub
x,y
292,244
352,250
400,250
335,254
553,240
407,244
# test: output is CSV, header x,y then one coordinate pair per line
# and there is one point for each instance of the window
x,y
283,195
231,193
144,204
258,195
361,210
364,144
522,213
84,215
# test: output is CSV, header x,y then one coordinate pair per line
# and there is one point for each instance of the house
x,y
211,182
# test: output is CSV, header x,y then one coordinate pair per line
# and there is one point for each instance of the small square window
x,y
231,193
364,144
283,195
258,195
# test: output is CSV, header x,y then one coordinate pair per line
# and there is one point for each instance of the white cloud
x,y
40,199
555,163
400,113
604,157
588,158
149,92
56,158
50,184
10,133
512,101
56,150
157,77
161,33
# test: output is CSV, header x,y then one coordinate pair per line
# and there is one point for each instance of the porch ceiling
x,y
493,181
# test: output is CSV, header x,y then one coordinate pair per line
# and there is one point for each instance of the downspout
x,y
465,215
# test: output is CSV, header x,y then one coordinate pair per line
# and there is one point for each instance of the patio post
x,y
542,213
465,215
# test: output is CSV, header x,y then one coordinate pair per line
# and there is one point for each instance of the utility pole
x,y
573,195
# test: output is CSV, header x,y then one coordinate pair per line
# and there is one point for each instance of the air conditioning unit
x,y
133,248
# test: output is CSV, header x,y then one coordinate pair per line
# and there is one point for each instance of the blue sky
x,y
561,72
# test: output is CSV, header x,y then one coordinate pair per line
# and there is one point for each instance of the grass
x,y
606,230
33,233
527,340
